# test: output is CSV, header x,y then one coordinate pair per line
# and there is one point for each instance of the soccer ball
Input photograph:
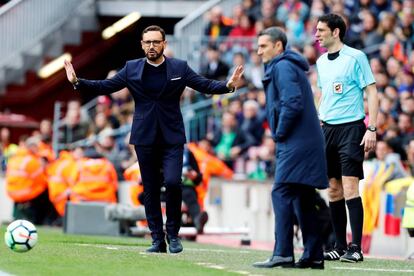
x,y
21,235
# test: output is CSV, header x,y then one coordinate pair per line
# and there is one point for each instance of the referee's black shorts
x,y
344,154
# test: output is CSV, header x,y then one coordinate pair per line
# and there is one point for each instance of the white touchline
x,y
374,269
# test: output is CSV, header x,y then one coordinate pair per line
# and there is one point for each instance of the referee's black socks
x,y
356,218
339,221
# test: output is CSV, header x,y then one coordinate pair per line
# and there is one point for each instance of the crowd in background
x,y
239,136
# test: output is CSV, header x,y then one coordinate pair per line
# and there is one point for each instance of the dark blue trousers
x,y
300,200
161,165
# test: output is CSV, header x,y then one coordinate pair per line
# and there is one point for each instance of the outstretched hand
x,y
235,77
70,72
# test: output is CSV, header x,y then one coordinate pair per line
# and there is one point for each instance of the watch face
x,y
372,128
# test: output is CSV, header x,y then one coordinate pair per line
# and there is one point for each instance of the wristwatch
x,y
372,128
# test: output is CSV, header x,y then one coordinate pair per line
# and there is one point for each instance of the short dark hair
x,y
154,28
276,34
334,21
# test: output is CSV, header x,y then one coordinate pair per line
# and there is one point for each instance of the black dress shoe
x,y
306,263
175,245
276,261
158,246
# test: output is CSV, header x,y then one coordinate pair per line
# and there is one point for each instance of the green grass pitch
x,y
60,254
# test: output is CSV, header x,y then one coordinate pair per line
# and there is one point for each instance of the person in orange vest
x,y
133,174
95,179
209,166
61,178
45,133
27,186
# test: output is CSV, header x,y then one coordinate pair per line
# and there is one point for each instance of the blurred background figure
x,y
26,184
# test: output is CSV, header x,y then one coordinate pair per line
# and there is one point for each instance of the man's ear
x,y
336,32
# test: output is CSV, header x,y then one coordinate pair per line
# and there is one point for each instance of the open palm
x,y
70,72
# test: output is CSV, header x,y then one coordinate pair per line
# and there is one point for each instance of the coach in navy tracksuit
x,y
156,83
300,157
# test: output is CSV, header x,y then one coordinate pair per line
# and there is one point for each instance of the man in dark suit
x,y
156,84
300,156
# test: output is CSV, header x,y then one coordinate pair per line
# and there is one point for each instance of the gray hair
x,y
275,34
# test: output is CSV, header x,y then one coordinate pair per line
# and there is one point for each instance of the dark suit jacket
x,y
160,112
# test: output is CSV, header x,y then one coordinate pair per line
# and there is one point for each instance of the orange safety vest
x,y
209,166
46,151
60,180
96,180
25,176
133,174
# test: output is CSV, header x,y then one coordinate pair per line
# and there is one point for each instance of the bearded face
x,y
153,45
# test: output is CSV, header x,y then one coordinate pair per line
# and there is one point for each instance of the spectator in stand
x,y
385,53
242,34
236,108
107,147
407,106
384,152
237,13
100,123
252,8
261,159
376,65
393,69
45,136
370,35
387,23
103,105
379,6
268,15
291,6
229,142
7,148
76,106
310,54
214,68
218,25
295,29
73,129
252,126
405,125
239,59
257,72
382,123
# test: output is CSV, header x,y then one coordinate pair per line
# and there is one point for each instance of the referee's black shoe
x,y
333,255
353,254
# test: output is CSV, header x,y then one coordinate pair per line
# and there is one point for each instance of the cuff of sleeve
x,y
76,85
